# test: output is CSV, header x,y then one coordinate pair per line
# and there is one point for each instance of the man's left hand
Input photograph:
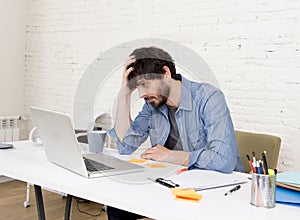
x,y
157,153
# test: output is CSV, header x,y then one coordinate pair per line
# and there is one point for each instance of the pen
x,y
233,190
258,168
265,163
250,163
218,186
182,170
253,158
254,162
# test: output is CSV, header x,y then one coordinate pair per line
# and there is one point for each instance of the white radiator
x,y
9,128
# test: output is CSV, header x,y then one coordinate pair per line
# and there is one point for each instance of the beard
x,y
161,98
158,101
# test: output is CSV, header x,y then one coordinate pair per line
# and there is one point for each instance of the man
x,y
188,123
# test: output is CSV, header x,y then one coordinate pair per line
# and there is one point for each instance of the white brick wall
x,y
251,46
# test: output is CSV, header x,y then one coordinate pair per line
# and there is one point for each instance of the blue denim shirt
x,y
204,125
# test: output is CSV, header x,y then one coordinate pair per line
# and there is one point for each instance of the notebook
x,y
62,148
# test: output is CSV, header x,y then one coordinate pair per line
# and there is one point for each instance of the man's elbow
x,y
125,149
227,167
226,170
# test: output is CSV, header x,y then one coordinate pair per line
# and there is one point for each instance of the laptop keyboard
x,y
92,165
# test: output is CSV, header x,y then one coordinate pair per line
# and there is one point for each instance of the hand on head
x,y
128,68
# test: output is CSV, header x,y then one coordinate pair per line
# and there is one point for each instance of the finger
x,y
146,156
147,152
129,62
128,71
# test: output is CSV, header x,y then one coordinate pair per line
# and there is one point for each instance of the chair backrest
x,y
248,142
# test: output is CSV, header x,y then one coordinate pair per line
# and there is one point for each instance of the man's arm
x,y
220,152
129,134
123,120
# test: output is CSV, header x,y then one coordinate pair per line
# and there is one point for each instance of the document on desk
x,y
291,177
206,179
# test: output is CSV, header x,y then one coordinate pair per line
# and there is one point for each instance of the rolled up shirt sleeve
x,y
220,150
123,148
210,159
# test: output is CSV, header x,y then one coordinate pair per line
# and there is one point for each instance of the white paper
x,y
205,179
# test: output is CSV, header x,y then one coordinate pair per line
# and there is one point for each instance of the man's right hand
x,y
126,72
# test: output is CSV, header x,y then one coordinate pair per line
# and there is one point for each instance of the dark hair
x,y
149,64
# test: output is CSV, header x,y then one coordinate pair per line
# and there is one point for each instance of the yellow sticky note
x,y
186,194
136,160
156,165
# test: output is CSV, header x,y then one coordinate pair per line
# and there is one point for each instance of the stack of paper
x,y
288,188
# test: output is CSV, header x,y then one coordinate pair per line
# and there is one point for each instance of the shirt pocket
x,y
158,130
154,136
156,120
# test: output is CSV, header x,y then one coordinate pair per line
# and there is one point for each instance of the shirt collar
x,y
186,97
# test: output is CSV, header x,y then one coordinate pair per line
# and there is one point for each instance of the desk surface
x,y
133,192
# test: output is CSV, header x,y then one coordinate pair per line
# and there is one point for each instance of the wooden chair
x,y
248,142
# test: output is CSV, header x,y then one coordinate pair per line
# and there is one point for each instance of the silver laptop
x,y
62,148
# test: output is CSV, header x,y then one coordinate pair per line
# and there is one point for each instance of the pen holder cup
x,y
263,189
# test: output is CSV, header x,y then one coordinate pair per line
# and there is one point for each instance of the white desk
x,y
133,192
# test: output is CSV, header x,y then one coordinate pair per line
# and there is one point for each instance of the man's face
x,y
154,91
